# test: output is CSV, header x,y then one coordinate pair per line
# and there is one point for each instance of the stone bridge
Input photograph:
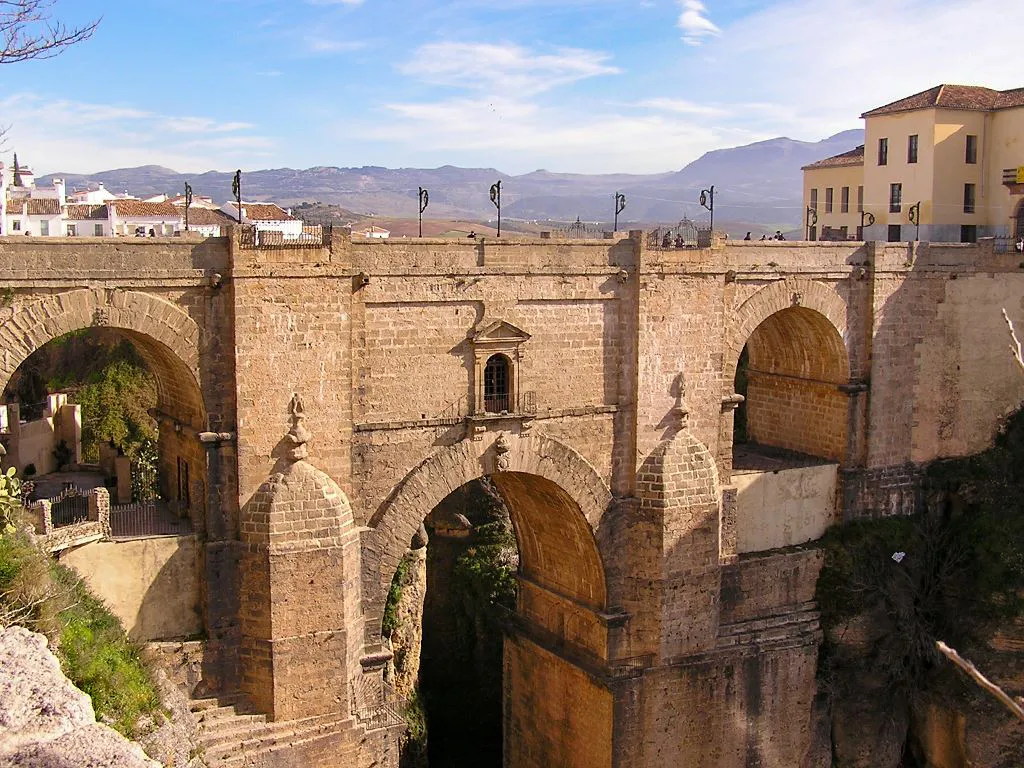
x,y
665,608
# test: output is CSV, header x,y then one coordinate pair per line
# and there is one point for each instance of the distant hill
x,y
756,185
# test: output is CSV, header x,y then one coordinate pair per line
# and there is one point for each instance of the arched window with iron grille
x,y
497,384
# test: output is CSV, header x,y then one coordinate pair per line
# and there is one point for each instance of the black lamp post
x,y
812,220
236,190
707,200
424,202
496,199
620,206
188,203
914,214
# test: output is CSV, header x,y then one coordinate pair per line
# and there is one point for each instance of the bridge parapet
x,y
48,259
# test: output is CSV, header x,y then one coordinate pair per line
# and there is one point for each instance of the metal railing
x,y
312,236
581,230
69,507
1007,244
523,402
685,234
375,704
146,518
1010,176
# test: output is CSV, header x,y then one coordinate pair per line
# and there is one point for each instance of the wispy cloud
x,y
325,46
694,22
504,68
682,107
76,136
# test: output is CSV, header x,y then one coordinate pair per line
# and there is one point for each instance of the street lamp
x,y
620,206
496,199
236,190
424,202
188,203
707,200
914,214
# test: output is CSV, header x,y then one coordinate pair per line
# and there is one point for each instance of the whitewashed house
x,y
135,217
266,217
86,221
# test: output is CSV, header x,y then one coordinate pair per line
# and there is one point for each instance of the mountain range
x,y
756,185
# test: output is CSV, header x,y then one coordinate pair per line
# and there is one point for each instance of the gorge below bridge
x,y
317,401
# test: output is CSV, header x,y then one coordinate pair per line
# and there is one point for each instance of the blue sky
x,y
583,86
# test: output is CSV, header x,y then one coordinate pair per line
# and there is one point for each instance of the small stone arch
x,y
165,335
166,338
564,481
780,295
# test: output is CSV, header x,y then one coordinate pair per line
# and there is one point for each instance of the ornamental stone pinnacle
x,y
298,435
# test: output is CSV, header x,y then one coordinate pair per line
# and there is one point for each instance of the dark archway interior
x,y
487,539
789,373
135,388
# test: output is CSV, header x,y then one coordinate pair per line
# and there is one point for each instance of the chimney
x,y
61,187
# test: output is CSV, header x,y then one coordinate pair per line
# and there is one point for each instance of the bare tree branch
x,y
27,31
980,679
1015,342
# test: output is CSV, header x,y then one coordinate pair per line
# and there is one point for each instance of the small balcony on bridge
x,y
783,497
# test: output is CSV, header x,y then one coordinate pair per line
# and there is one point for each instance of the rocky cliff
x,y
45,721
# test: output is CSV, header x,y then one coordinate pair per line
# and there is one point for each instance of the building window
x,y
895,198
44,228
971,153
860,199
828,199
16,226
844,200
969,200
72,230
814,200
883,151
912,148
496,384
97,230
968,233
895,234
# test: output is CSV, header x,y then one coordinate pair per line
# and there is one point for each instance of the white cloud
x,y
322,46
504,68
75,136
681,107
694,22
792,80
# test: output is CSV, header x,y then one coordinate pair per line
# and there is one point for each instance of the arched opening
x,y
114,408
497,384
789,433
509,588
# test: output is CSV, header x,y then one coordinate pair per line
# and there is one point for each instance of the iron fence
x,y
685,234
312,236
375,704
522,402
146,518
1008,244
581,230
31,411
69,507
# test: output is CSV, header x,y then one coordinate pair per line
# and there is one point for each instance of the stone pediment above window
x,y
498,356
498,332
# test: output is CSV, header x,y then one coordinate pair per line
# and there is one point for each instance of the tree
x,y
28,31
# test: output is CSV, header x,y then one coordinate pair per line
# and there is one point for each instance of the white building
x,y
266,217
86,221
135,217
373,231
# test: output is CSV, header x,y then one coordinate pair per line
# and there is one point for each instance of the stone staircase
x,y
232,737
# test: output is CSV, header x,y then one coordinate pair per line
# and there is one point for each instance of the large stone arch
x,y
535,473
780,295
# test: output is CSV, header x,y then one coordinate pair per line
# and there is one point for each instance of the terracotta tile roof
x,y
206,217
43,206
86,212
853,157
139,208
971,97
263,212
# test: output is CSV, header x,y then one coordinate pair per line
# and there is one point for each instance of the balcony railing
x,y
523,402
1012,177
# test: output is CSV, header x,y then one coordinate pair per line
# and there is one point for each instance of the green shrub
x,y
94,652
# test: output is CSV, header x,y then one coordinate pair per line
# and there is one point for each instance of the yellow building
x,y
943,165
834,197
